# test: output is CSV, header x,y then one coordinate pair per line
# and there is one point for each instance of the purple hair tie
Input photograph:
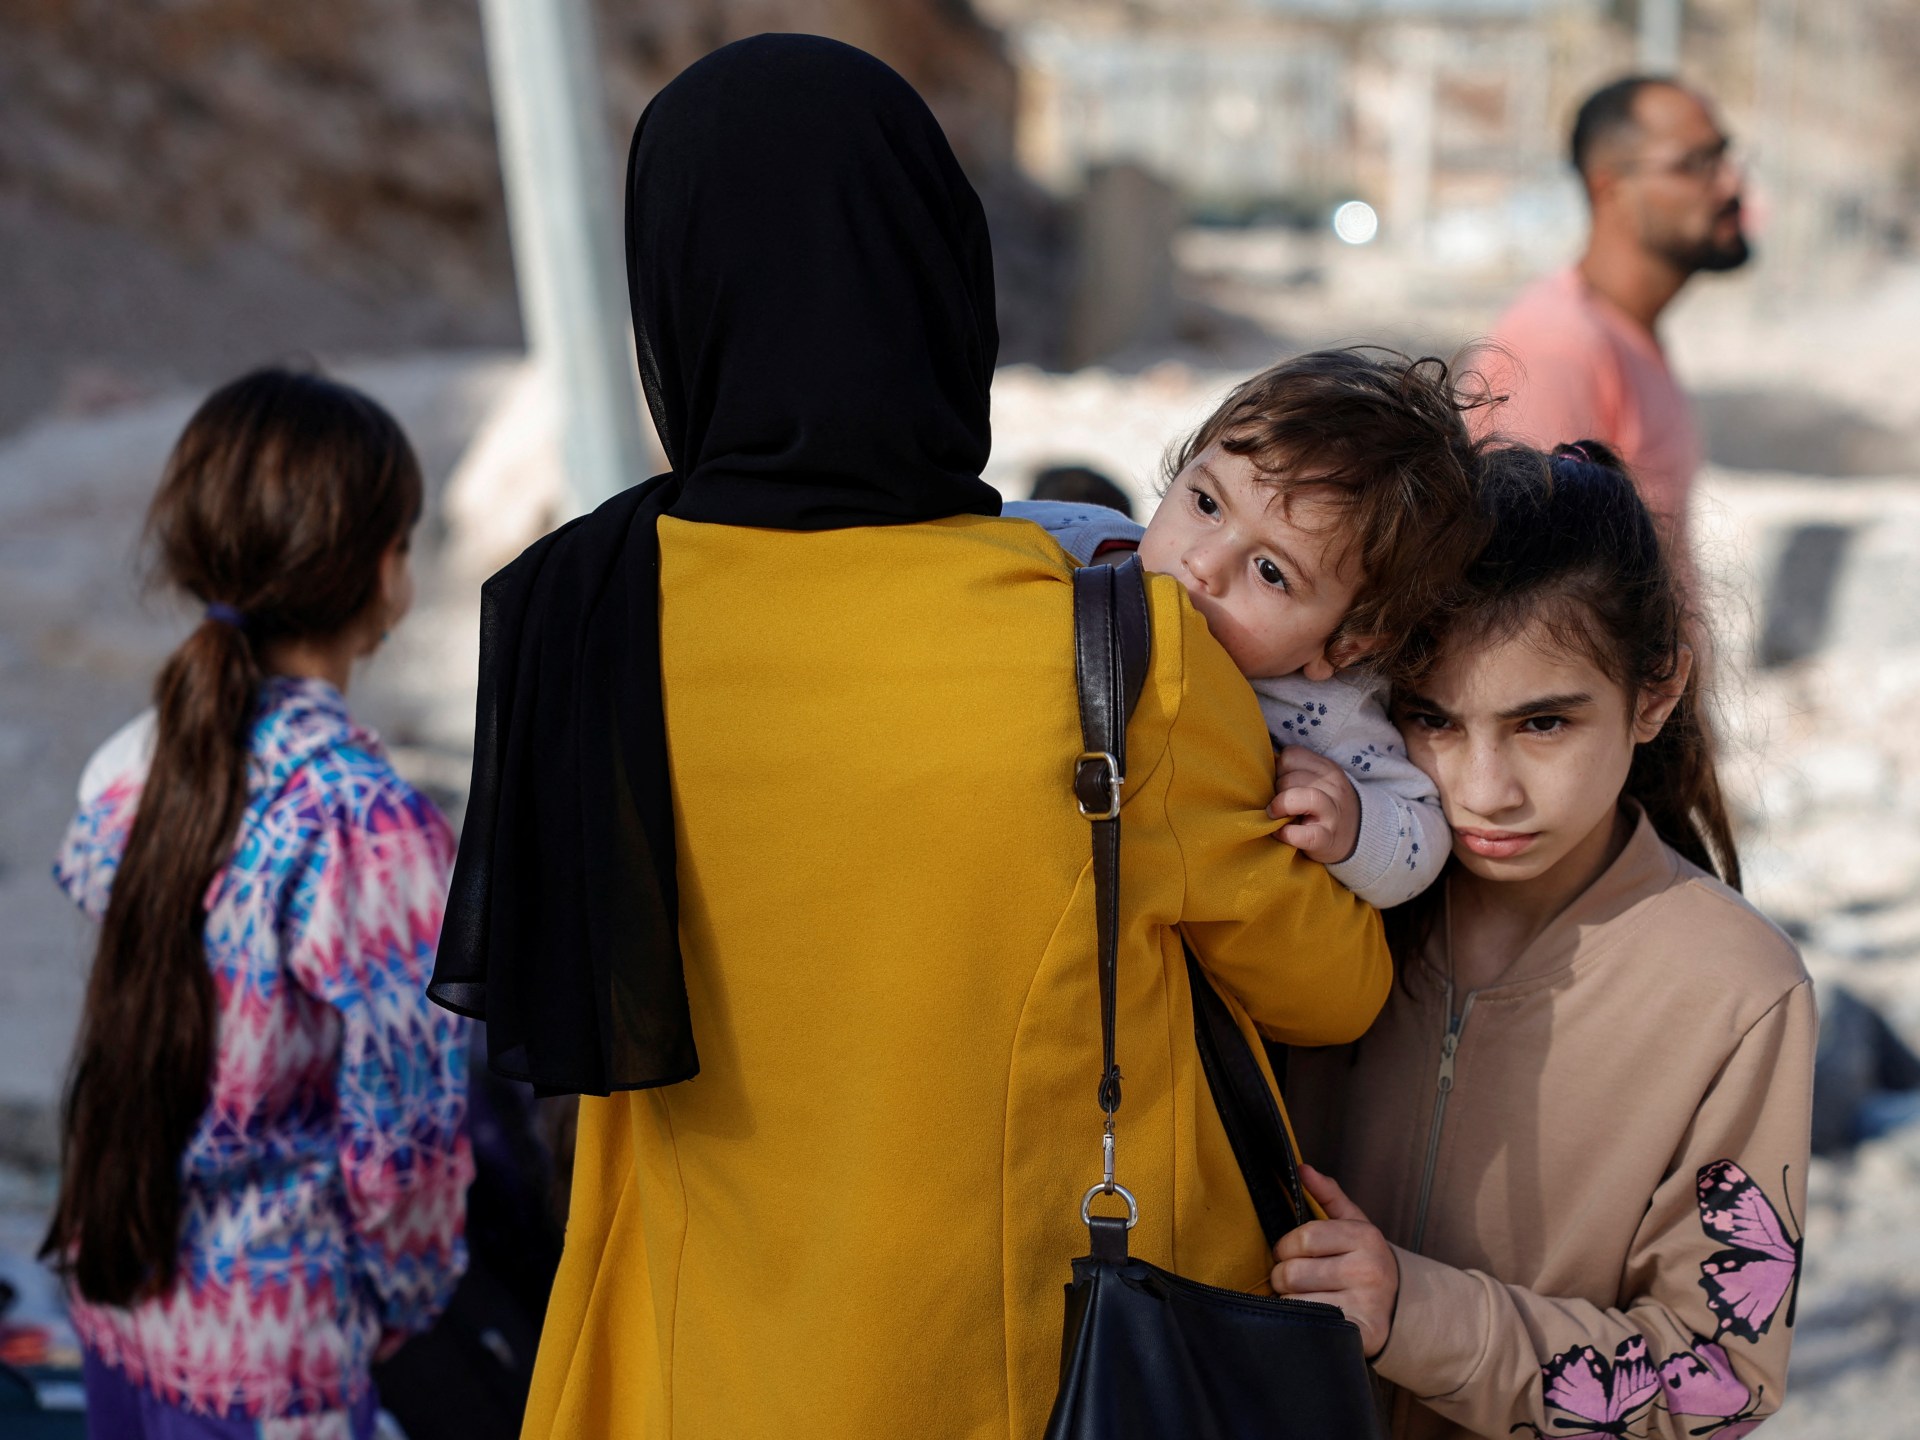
x,y
226,615
1578,452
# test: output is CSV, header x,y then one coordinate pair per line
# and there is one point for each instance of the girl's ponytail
x,y
145,1053
279,502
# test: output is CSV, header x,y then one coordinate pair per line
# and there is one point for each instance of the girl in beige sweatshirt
x,y
1571,1154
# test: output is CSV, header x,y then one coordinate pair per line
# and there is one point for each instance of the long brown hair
x,y
1575,548
276,507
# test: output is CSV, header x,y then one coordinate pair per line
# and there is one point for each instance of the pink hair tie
x,y
1579,452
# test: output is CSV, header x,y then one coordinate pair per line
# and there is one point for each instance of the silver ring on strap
x,y
1133,1206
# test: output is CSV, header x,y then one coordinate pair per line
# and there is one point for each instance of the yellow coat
x,y
857,1220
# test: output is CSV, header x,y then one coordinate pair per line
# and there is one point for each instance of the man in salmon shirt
x,y
1582,357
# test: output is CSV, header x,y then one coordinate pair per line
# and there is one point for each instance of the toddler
x,y
1315,518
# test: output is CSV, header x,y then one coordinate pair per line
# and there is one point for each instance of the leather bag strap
x,y
1111,657
1255,1129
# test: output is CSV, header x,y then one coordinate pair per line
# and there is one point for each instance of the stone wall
x,y
356,136
324,176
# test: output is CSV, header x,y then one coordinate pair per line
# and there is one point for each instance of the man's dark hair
x,y
1081,485
1607,113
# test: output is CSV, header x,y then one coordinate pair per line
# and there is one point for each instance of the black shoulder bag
x,y
1146,1354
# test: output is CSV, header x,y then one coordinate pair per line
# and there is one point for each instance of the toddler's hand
x,y
1316,795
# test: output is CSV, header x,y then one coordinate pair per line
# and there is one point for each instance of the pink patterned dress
x,y
325,1186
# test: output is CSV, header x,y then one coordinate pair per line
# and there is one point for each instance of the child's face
x,y
1529,746
1261,571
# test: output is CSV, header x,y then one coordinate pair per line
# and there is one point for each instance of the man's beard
x,y
1709,254
1715,256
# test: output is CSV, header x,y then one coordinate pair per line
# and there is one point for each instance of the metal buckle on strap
x,y
1087,781
1108,1185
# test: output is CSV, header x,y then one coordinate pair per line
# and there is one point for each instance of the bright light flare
x,y
1356,223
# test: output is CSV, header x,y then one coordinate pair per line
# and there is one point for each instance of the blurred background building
x,y
184,185
1180,192
1449,117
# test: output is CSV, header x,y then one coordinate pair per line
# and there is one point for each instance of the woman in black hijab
x,y
797,382
771,798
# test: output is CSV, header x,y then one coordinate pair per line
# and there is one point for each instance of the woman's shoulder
x,y
1188,660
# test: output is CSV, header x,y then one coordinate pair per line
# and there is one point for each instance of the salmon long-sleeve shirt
x,y
1574,366
1592,1170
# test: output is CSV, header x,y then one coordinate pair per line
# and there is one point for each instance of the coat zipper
x,y
1449,1048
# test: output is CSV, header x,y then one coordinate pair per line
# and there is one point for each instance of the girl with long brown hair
x,y
1571,1152
264,1162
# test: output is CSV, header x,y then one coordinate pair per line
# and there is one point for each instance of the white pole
x,y
1660,22
564,221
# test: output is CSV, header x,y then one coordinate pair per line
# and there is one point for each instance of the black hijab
x,y
812,294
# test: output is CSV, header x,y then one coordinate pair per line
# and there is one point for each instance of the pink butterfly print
x,y
1701,1382
1746,1283
1601,1397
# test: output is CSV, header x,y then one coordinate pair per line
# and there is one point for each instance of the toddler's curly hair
x,y
1383,438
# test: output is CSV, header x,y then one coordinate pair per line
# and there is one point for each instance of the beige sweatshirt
x,y
1591,1169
